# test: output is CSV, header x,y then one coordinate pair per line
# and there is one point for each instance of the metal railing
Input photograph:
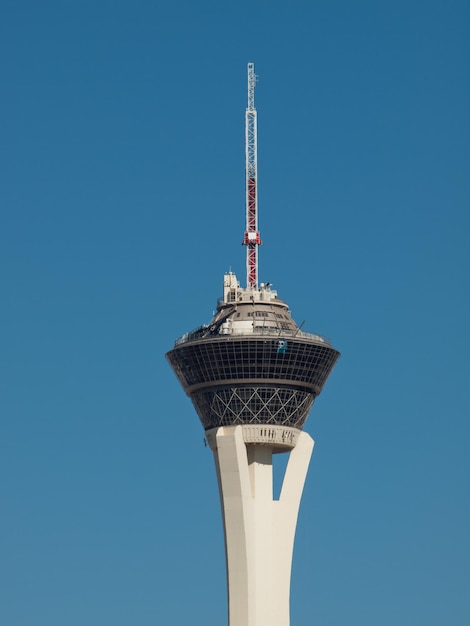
x,y
203,332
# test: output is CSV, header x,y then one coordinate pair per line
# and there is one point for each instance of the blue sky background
x,y
122,205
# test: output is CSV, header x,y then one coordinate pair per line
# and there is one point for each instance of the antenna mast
x,y
252,237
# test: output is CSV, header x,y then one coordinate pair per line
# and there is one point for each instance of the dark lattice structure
x,y
253,380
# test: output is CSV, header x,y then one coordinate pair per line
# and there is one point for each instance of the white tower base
x,y
259,531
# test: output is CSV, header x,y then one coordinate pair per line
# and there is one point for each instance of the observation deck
x,y
252,364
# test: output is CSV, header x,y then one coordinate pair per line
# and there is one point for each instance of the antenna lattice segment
x,y
252,237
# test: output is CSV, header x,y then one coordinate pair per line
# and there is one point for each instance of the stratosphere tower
x,y
253,375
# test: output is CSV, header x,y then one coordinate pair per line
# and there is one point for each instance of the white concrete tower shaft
x,y
259,531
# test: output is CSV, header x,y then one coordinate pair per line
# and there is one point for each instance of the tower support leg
x,y
259,531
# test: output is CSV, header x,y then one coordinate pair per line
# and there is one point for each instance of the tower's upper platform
x,y
252,364
245,311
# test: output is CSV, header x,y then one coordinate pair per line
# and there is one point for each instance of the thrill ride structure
x,y
253,376
252,238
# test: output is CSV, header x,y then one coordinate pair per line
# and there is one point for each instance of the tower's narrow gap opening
x,y
279,469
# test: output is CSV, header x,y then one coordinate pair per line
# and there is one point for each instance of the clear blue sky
x,y
122,205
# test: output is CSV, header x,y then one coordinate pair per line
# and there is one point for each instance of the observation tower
x,y
253,376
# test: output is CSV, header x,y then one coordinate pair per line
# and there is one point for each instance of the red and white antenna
x,y
252,237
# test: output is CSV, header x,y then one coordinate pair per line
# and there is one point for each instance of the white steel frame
x,y
252,237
